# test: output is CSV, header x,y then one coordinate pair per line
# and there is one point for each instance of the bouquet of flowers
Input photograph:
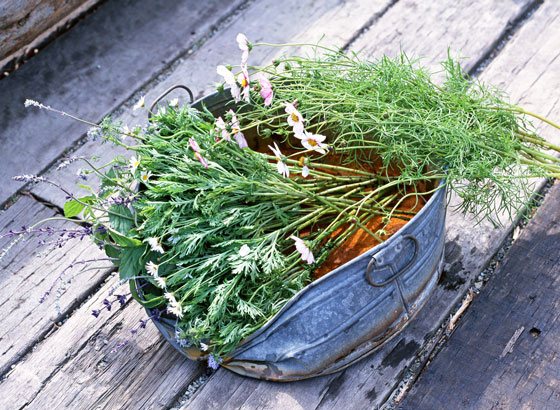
x,y
218,219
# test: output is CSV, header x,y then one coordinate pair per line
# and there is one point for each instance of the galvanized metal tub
x,y
346,314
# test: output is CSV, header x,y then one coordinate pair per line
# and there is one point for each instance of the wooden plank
x,y
26,275
403,349
469,248
92,69
266,21
425,30
512,359
77,366
26,24
57,385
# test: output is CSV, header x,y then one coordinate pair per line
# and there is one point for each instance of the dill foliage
x,y
222,235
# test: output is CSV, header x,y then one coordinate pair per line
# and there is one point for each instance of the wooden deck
x,y
128,48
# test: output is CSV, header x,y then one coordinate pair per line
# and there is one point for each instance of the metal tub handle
x,y
166,92
396,275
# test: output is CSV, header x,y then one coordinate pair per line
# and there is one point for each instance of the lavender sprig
x,y
66,269
133,332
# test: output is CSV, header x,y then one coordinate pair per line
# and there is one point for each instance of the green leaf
x,y
110,174
112,252
121,224
147,300
86,187
123,240
72,208
131,261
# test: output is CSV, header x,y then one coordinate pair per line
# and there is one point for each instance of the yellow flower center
x,y
313,143
144,177
244,82
295,118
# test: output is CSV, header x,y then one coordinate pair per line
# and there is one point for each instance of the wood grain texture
x,y
368,382
76,367
109,390
517,313
26,275
89,71
267,21
469,247
23,24
425,30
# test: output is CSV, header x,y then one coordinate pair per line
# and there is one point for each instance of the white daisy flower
x,y
295,119
152,268
145,176
244,46
176,310
154,244
229,79
139,104
313,142
160,282
134,164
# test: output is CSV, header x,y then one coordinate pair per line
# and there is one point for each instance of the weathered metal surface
x,y
348,313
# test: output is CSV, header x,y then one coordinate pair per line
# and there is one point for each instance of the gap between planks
x,y
230,41
91,70
54,376
370,381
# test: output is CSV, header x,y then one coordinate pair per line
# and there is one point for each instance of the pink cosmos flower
x,y
235,130
266,89
282,168
313,142
302,248
245,46
295,119
243,79
221,127
229,79
196,148
194,145
202,160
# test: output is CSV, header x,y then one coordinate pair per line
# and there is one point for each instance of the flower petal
x,y
241,141
194,145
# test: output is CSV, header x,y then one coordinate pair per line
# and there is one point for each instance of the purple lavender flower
x,y
213,363
95,313
121,299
